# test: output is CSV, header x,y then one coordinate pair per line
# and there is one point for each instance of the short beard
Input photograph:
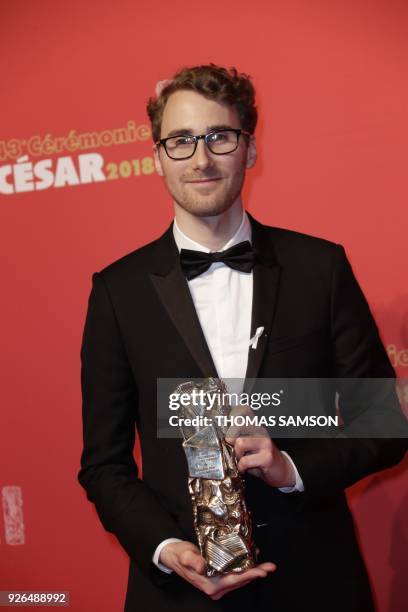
x,y
208,209
214,208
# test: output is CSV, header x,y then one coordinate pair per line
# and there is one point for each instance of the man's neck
x,y
212,232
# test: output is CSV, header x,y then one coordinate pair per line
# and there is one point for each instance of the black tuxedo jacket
x,y
141,325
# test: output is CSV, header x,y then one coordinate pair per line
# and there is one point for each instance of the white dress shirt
x,y
223,301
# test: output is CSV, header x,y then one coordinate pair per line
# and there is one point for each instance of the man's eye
x,y
183,141
218,137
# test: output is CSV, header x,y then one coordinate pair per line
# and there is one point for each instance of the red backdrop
x,y
77,191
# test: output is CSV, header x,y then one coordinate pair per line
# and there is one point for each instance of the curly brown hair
x,y
223,85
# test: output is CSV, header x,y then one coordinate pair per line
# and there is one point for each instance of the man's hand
x,y
258,455
185,559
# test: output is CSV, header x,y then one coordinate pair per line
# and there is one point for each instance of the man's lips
x,y
205,180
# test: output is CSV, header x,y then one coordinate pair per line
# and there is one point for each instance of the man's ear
x,y
157,162
251,152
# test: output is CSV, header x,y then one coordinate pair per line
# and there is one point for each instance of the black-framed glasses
x,y
219,142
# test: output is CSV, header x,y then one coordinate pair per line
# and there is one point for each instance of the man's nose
x,y
202,157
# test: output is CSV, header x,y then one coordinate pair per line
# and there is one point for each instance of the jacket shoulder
x,y
288,242
136,262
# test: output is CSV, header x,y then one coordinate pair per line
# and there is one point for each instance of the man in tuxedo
x,y
189,305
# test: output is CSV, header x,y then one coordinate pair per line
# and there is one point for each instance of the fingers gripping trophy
x,y
221,519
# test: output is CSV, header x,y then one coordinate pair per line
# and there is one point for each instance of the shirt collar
x,y
184,242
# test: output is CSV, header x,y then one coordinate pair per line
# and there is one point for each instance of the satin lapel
x,y
174,294
266,276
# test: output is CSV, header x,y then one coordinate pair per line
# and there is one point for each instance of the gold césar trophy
x,y
221,519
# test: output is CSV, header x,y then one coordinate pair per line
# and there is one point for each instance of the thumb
x,y
195,561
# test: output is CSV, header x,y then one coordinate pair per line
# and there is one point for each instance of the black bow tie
x,y
238,257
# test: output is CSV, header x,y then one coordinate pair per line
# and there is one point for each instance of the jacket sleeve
x,y
126,506
329,465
